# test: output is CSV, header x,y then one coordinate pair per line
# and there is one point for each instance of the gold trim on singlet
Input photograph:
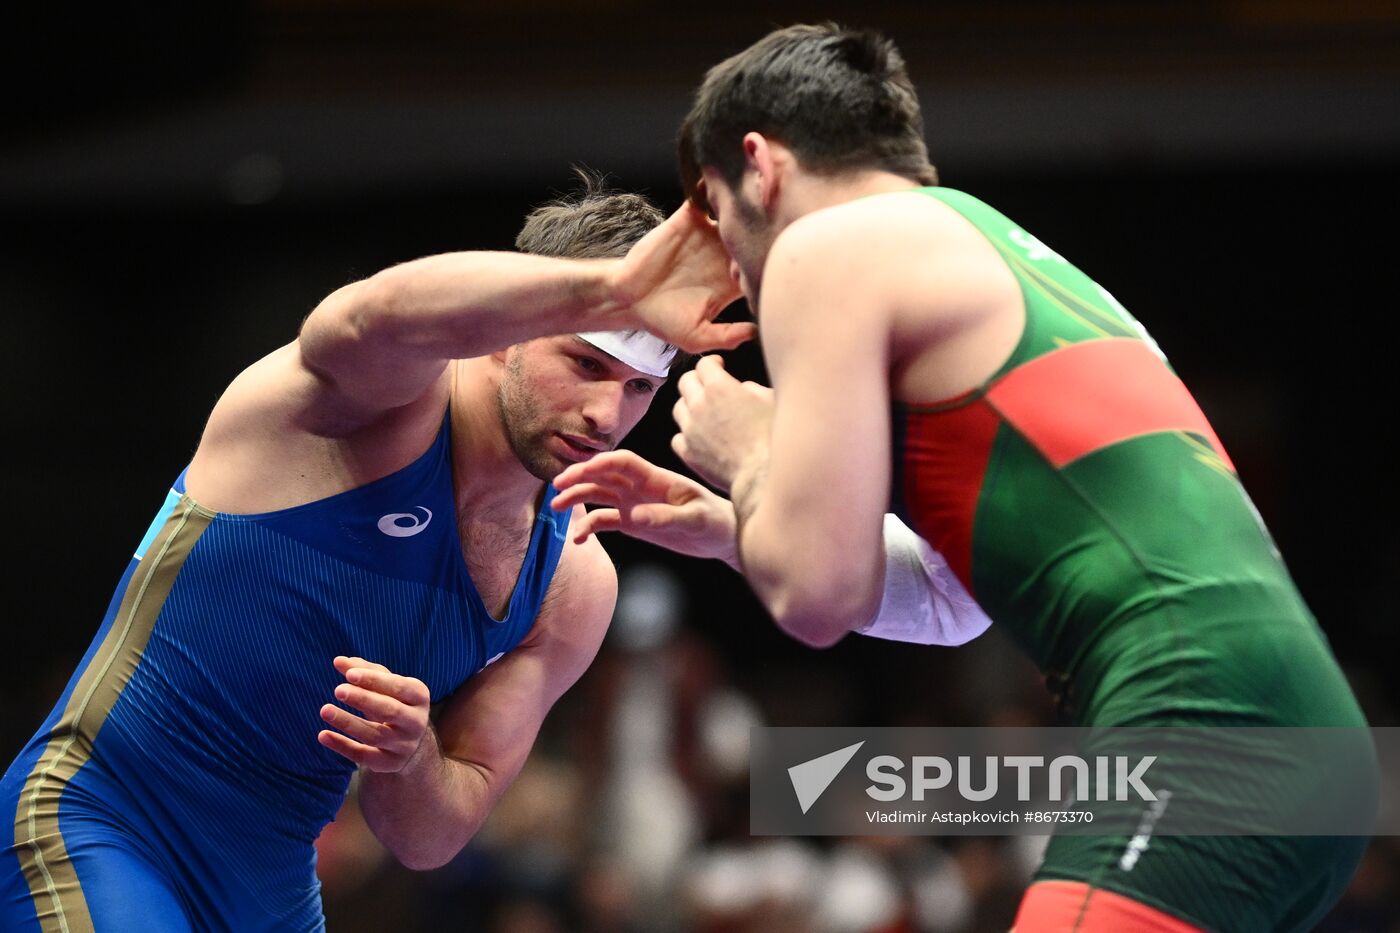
x,y
48,868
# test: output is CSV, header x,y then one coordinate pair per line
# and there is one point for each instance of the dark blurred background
x,y
181,183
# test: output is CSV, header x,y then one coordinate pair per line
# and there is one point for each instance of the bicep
x,y
331,381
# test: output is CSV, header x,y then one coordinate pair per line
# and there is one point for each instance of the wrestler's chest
x,y
494,554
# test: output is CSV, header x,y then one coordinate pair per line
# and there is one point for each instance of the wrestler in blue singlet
x,y
178,783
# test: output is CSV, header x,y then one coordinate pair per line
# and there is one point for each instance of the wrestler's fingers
x,y
343,663
596,521
629,474
689,385
724,336
608,461
620,480
655,514
408,690
597,493
364,755
624,463
709,367
359,729
376,706
680,414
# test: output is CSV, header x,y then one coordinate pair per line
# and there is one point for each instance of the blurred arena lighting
x,y
650,601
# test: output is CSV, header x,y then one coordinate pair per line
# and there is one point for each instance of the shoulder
x,y
277,438
885,257
579,605
864,249
839,269
871,225
283,393
589,574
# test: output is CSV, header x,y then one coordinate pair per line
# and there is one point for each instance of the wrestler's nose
x,y
603,407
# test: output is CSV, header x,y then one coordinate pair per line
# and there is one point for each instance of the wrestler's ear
x,y
764,163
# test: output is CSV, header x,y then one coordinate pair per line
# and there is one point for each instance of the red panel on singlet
x,y
1086,396
1053,906
1067,404
944,459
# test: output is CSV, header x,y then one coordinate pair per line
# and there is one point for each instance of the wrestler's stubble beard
x,y
527,427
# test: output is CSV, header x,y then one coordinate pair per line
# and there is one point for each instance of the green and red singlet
x,y
1082,497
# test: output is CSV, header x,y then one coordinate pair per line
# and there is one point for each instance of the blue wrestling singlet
x,y
178,783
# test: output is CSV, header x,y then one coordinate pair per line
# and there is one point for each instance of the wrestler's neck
x,y
486,473
800,192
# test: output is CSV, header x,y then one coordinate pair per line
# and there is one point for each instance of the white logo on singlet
x,y
1131,321
1036,251
389,524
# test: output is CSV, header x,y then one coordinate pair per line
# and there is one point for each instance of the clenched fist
x,y
724,423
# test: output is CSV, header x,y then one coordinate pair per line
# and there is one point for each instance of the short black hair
x,y
839,98
593,222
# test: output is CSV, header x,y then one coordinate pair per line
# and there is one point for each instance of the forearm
x,y
458,305
727,537
426,812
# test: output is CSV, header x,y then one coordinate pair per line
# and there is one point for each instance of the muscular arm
x,y
382,341
921,602
361,392
855,299
426,812
810,512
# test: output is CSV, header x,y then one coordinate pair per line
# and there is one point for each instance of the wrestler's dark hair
x,y
839,98
593,222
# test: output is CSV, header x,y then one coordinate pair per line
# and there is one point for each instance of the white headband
x,y
642,351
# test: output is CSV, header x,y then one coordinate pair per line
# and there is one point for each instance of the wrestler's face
x,y
744,229
563,400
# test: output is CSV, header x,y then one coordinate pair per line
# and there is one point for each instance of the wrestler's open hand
x,y
647,502
724,423
394,716
676,281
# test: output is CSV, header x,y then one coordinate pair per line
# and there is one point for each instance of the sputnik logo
x,y
811,778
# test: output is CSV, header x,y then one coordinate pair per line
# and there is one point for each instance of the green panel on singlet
x,y
1063,304
1115,544
1160,597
